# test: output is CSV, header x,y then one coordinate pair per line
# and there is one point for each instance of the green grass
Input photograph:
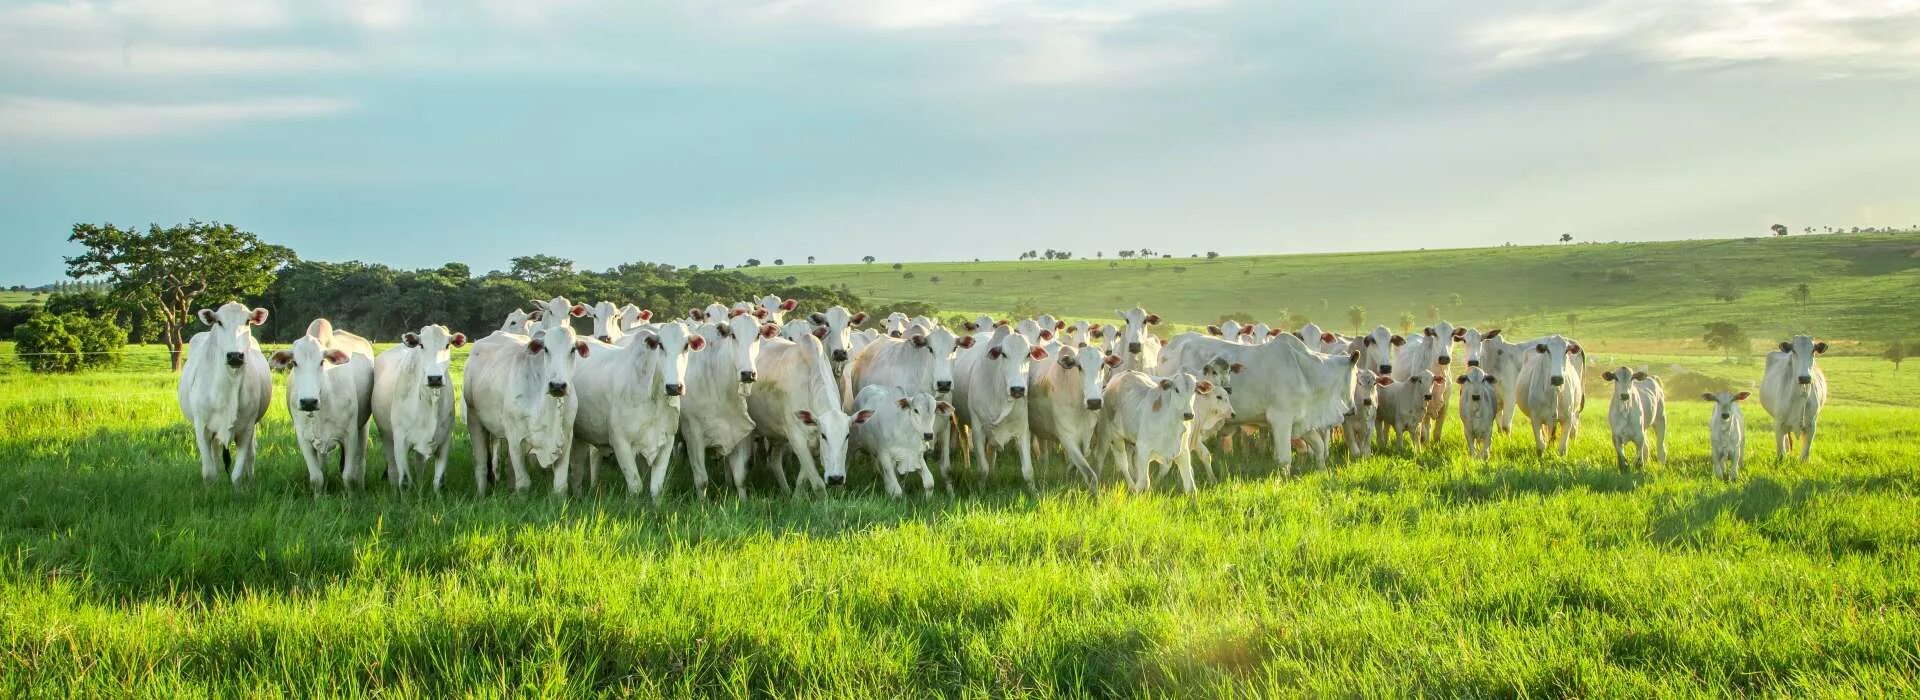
x,y
1863,286
121,574
17,298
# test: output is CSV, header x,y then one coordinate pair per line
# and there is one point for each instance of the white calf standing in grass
x,y
329,398
413,401
897,429
1479,406
516,389
1358,424
225,388
1729,431
630,404
1150,415
1403,406
1639,403
1793,390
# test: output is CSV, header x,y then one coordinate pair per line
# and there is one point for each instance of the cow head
x,y
1212,407
1220,371
1556,349
673,341
1476,387
1011,356
942,344
1086,360
519,321
1440,338
557,312
1623,380
830,426
606,322
738,339
432,346
836,321
632,318
1800,352
1176,394
923,412
230,330
305,364
1376,349
1726,406
557,349
1134,329
774,309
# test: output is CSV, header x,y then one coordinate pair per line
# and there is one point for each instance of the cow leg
x,y
482,446
356,450
1026,465
623,456
803,454
888,464
1564,434
1206,459
243,464
1317,444
978,438
209,463
945,437
1282,426
777,461
517,460
1185,462
926,479
315,476
1142,478
563,472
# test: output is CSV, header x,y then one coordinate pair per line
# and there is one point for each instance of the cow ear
x,y
281,360
1398,341
1353,357
1203,387
1428,331
579,310
1495,333
1046,334
458,340
337,357
862,416
804,416
1574,348
207,317
259,317
1742,396
1112,360
1166,384
970,326
1367,341
1709,396
1153,319
1607,375
410,340
818,319
536,345
943,407
858,318
789,305
769,330
1820,348
1038,353
1492,379
1059,325
760,313
1328,338
1462,379
905,402
580,348
696,342
1275,333
1639,376
1786,347
653,342
964,341
1540,348
646,314
1383,381
1438,379
994,353
1459,333
919,341
1213,330
1236,367
536,315
820,332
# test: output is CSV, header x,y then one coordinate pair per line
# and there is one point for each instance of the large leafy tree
x,y
167,272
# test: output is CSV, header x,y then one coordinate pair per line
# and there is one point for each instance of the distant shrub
x,y
68,342
1621,275
12,316
1027,308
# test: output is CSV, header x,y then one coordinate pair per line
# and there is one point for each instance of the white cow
x,y
517,388
1792,390
837,320
519,321
1063,402
606,322
774,310
922,362
1431,350
1364,412
896,428
1479,403
1144,419
630,403
1550,401
413,401
1137,348
1377,349
556,312
713,414
633,318
1639,403
329,398
1403,406
1729,433
1282,385
796,408
225,388
1212,411
989,396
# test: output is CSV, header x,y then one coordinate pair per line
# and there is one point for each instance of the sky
x,y
415,132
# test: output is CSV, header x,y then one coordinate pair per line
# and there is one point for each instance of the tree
x,y
779,261
897,266
934,279
977,281
541,269
809,260
1779,229
166,272
1211,255
752,262
1573,321
1725,291
1566,238
1357,315
1801,294
867,259
906,275
1896,352
1406,322
68,342
1726,337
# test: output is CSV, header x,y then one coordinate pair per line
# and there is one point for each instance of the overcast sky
x,y
706,131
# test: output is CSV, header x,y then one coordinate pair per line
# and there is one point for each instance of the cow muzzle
x,y
837,480
1186,415
235,359
746,376
1018,392
1429,397
556,389
606,339
1473,363
673,389
1806,379
1725,416
436,381
1475,397
309,405
943,386
1557,381
839,356
1133,348
1624,397
1386,369
927,437
1093,404
1444,360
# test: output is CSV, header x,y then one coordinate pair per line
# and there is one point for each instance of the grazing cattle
x,y
796,407
1479,403
413,402
1431,350
896,431
329,398
1551,403
518,388
1403,407
1212,411
1144,419
1363,412
225,388
1729,433
713,412
1639,403
629,397
989,397
1063,402
1792,390
1137,348
1282,385
837,320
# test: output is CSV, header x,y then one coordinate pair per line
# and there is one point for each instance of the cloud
x,y
1830,38
24,118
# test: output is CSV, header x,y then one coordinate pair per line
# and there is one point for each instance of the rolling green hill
x,y
18,298
1862,286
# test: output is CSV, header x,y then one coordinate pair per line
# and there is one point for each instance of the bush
x,y
12,316
68,342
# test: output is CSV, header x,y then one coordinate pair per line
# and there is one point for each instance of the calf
x,y
1551,403
896,428
1212,411
1137,348
1063,402
1363,412
989,397
1792,390
796,407
713,413
329,398
1150,415
1729,432
517,388
837,320
519,321
1377,349
629,397
225,388
1638,403
1479,402
556,312
413,401
606,322
1403,406
1431,350
921,362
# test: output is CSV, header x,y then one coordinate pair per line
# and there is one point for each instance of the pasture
x,y
1398,574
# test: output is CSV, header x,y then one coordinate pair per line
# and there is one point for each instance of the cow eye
x,y
1541,348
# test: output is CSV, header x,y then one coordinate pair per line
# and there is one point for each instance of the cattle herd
x,y
743,381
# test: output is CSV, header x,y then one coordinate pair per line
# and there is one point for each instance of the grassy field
x,y
121,574
18,298
1862,286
